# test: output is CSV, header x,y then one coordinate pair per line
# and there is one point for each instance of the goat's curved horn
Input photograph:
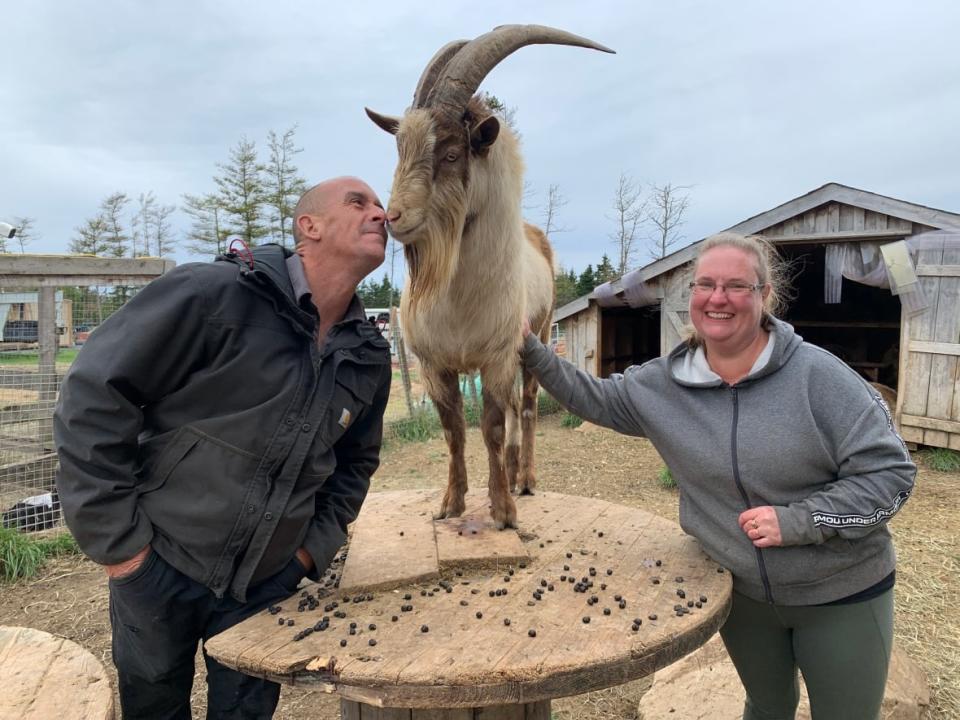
x,y
467,69
436,66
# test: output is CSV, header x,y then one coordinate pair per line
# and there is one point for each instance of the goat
x,y
476,269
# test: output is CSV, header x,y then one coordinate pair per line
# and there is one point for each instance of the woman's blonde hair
x,y
771,269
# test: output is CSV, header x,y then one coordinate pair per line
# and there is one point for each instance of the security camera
x,y
7,230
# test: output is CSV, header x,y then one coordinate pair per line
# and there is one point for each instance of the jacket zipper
x,y
743,493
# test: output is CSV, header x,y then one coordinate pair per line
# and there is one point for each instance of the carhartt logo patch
x,y
345,417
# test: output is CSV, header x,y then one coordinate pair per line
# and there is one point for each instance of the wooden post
x,y
350,710
47,335
396,330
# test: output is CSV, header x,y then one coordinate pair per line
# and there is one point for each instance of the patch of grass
x,y
942,459
21,556
473,411
422,425
64,357
665,478
59,545
546,405
569,420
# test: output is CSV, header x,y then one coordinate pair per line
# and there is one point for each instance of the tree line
x,y
251,199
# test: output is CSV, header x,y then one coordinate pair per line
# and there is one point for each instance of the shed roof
x,y
831,192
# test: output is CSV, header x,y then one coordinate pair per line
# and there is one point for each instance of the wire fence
x,y
41,331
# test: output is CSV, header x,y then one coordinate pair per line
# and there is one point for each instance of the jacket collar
x,y
688,366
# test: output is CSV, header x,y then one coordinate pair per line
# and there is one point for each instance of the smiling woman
x,y
788,469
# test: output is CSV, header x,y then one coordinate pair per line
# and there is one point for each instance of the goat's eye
x,y
452,156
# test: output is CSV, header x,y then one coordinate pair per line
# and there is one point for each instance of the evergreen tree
x,y
141,222
90,238
284,185
605,272
565,284
242,193
586,282
207,234
116,238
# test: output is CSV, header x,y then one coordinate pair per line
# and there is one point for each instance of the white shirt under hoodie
x,y
802,432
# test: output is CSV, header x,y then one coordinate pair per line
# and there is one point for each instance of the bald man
x,y
216,436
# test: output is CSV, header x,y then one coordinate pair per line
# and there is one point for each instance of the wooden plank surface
x,y
44,676
392,526
462,660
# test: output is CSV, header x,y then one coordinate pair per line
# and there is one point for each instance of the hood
x,y
688,366
264,269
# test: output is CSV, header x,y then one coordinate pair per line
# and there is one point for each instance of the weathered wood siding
x,y
837,217
675,308
928,402
582,335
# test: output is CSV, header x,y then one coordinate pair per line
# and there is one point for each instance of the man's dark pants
x,y
158,616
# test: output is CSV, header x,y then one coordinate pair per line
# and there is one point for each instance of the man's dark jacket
x,y
202,418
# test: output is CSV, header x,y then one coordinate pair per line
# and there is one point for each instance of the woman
x,y
788,468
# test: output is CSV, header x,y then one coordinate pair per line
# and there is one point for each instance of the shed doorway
x,y
863,329
628,336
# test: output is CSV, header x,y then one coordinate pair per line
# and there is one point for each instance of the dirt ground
x,y
69,598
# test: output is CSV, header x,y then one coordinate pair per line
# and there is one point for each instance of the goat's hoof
x,y
447,514
503,525
526,491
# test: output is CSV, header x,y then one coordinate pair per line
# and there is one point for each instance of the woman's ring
x,y
756,525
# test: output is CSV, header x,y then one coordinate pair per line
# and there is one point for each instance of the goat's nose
x,y
393,216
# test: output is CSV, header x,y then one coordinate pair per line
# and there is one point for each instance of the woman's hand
x,y
760,524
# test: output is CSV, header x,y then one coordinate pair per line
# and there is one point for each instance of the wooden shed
x,y
909,342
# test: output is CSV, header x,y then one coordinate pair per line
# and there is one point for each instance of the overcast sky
x,y
749,103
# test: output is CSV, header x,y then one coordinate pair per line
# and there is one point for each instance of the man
x,y
216,436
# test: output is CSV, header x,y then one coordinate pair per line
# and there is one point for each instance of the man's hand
x,y
128,566
304,557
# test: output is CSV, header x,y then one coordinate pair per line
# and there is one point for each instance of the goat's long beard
x,y
432,260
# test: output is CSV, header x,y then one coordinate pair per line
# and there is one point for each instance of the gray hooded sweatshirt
x,y
802,433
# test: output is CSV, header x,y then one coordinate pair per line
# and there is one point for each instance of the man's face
x,y
352,226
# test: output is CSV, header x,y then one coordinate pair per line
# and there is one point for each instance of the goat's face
x,y
430,195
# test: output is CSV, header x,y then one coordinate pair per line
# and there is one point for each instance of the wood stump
x,y
44,676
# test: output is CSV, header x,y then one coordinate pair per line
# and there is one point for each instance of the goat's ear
x,y
484,134
385,122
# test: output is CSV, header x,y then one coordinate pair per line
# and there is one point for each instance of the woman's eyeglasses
x,y
731,289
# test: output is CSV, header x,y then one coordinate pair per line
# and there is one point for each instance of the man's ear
x,y
309,226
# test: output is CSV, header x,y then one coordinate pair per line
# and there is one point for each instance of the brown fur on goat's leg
x,y
444,389
502,507
511,452
528,426
528,412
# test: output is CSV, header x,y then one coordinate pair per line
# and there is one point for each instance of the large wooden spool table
x,y
45,676
491,649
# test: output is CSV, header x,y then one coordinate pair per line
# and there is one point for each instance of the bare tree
x,y
284,185
25,233
665,210
555,201
629,208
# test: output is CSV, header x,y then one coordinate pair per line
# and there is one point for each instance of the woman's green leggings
x,y
843,652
